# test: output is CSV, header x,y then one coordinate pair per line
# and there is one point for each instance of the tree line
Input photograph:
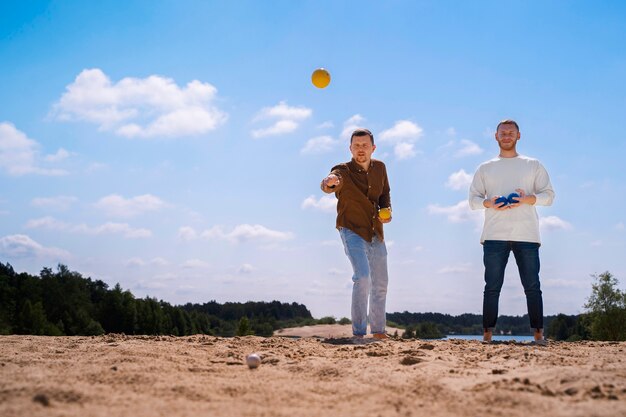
x,y
63,302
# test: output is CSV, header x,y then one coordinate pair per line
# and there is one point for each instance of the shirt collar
x,y
354,165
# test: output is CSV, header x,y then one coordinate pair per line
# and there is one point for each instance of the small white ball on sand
x,y
253,360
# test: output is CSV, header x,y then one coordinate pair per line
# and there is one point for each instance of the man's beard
x,y
507,146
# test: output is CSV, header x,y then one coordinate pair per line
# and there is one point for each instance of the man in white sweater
x,y
508,188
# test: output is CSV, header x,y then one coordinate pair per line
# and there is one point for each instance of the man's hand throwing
x,y
331,181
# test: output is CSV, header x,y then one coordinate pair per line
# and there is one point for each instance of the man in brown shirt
x,y
362,188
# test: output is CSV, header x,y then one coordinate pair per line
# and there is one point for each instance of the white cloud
x,y
325,125
319,144
326,203
118,206
403,136
136,107
138,262
245,269
351,124
468,148
418,248
283,111
135,263
459,180
402,131
404,150
59,203
596,243
553,223
450,131
187,233
19,154
50,223
619,226
331,243
60,155
22,246
336,272
159,262
247,232
281,127
457,213
288,119
115,228
194,264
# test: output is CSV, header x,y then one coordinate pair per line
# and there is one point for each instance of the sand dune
x,y
117,375
326,331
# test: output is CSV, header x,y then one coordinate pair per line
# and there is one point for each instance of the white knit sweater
x,y
502,176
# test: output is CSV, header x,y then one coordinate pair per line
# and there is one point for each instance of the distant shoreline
x,y
345,330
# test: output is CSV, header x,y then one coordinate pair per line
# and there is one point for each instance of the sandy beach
x,y
118,375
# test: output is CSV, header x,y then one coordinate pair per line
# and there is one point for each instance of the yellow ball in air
x,y
320,78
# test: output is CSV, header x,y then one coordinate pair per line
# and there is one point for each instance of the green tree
x,y
7,299
582,328
607,308
409,333
32,318
327,320
244,327
560,328
428,330
93,329
264,329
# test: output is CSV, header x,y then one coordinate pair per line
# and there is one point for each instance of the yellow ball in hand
x,y
320,78
384,213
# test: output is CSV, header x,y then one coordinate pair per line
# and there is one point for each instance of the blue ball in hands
x,y
510,198
502,201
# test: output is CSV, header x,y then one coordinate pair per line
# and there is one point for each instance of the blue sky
x,y
177,147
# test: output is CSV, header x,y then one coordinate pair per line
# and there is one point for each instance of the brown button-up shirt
x,y
361,194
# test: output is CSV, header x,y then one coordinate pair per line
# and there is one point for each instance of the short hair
x,y
508,122
362,132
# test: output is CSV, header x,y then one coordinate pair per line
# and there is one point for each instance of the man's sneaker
x,y
380,336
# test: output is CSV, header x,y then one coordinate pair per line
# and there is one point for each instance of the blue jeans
x,y
369,263
495,257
